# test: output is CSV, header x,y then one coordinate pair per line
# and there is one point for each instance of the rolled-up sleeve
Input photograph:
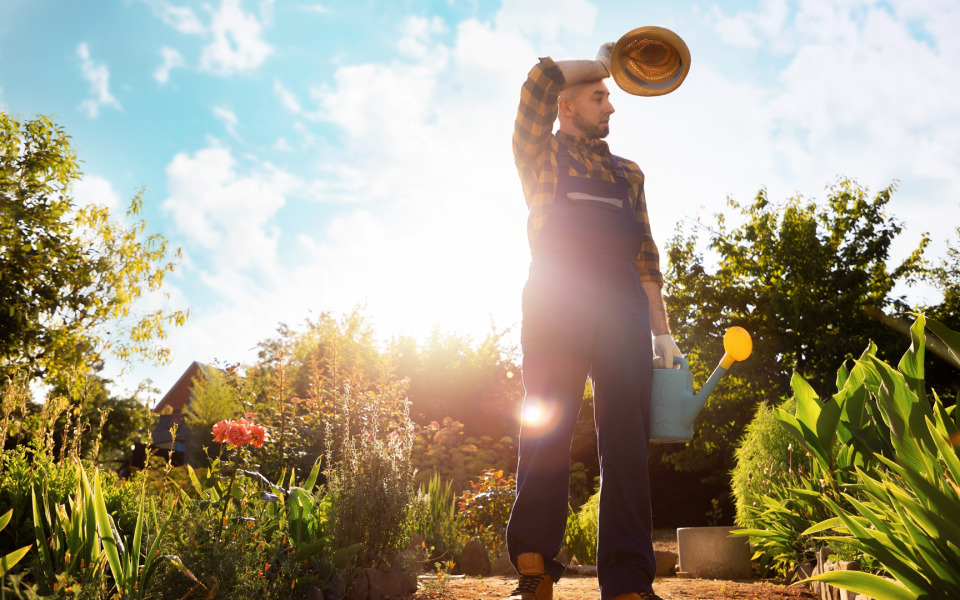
x,y
537,112
648,261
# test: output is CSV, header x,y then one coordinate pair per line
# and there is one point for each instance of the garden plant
x,y
878,479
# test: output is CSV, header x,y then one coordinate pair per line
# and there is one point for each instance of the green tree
x,y
70,276
211,399
797,276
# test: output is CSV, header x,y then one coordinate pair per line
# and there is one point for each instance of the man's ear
x,y
566,107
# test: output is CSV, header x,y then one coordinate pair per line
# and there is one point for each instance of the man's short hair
x,y
572,92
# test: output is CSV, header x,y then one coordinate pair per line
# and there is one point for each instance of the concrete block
x,y
711,553
666,563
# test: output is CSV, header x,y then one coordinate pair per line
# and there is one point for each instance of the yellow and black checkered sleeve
x,y
537,112
648,261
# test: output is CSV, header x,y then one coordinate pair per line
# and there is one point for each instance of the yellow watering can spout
x,y
737,345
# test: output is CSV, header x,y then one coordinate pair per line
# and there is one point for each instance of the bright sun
x,y
533,413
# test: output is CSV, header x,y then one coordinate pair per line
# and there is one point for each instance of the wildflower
x,y
266,567
249,417
393,435
434,425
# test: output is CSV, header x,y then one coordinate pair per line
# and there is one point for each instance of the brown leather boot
x,y
534,583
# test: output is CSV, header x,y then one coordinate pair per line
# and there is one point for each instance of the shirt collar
x,y
583,144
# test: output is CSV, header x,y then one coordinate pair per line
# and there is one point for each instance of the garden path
x,y
585,588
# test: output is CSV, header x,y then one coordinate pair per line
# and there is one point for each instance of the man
x,y
592,298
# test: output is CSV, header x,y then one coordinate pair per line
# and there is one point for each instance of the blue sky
x,y
309,156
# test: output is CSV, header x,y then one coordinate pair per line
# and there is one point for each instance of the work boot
x,y
534,583
639,596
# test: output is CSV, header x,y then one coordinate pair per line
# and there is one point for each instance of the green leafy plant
x,y
10,560
580,538
485,508
441,527
906,515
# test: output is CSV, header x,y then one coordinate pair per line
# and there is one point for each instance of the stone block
x,y
372,584
848,565
473,560
711,553
666,563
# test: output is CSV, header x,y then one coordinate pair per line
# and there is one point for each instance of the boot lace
x,y
528,584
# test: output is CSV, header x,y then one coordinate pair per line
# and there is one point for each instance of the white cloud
x,y
98,78
95,190
739,30
225,214
314,8
171,60
237,44
416,33
181,18
281,145
287,98
229,120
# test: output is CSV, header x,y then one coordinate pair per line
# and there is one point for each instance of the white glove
x,y
664,349
603,55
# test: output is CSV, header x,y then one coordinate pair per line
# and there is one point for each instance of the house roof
x,y
161,433
178,396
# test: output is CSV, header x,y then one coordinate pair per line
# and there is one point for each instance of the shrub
x,y
580,539
485,509
372,483
763,440
442,449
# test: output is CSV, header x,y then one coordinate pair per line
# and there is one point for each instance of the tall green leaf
x,y
911,365
105,527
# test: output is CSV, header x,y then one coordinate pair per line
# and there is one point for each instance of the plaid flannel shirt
x,y
535,149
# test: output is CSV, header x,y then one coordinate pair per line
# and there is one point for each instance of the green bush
x,y
763,440
580,539
485,509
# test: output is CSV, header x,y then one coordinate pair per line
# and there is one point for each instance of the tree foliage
x,y
71,277
797,276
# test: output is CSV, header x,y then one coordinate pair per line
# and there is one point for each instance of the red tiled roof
x,y
179,395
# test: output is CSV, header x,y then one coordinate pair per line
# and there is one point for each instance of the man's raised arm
x,y
539,97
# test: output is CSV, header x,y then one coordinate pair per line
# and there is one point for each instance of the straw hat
x,y
650,61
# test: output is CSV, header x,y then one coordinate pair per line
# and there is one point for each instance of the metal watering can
x,y
674,406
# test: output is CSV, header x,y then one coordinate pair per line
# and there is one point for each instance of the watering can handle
x,y
684,365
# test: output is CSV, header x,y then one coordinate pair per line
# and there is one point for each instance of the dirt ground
x,y
585,588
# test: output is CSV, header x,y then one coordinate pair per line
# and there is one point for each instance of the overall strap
x,y
565,161
621,180
617,170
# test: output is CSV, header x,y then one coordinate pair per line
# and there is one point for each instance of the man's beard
x,y
592,131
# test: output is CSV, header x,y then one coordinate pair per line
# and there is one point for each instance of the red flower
x,y
220,430
258,435
238,433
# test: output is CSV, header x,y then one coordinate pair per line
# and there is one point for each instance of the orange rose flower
x,y
237,434
258,435
220,430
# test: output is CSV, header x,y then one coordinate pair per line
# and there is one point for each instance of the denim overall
x,y
585,314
